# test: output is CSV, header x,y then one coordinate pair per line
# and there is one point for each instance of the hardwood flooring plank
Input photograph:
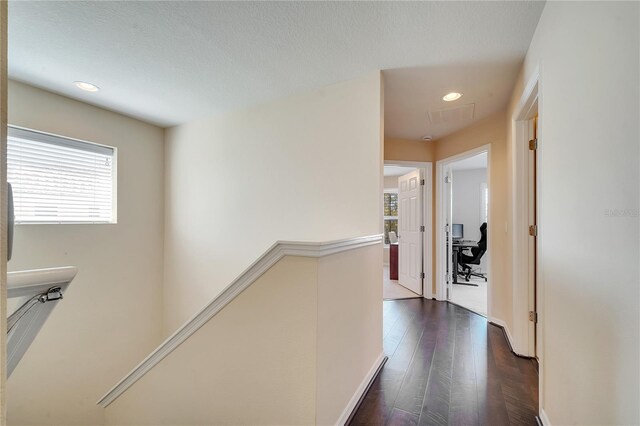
x,y
529,371
395,335
520,407
402,418
492,409
376,408
464,399
400,356
411,395
435,407
447,366
391,312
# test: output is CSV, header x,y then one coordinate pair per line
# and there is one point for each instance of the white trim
x,y
522,289
544,418
427,283
416,164
540,287
426,170
507,332
532,93
441,265
277,251
441,212
342,420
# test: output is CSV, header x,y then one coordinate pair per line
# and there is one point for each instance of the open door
x,y
448,197
410,229
533,232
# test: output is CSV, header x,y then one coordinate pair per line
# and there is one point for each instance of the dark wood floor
x,y
447,365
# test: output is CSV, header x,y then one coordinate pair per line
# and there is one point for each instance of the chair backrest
x,y
483,236
479,251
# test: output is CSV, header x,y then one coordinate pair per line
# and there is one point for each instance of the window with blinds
x,y
390,214
60,180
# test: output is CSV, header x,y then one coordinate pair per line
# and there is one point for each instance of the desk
x,y
457,247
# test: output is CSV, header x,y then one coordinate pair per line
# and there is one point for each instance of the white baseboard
x,y
543,418
501,323
426,293
360,391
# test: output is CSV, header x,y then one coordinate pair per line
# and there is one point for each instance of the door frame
x,y
426,170
441,213
526,290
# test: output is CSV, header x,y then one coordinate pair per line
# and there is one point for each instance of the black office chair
x,y
465,260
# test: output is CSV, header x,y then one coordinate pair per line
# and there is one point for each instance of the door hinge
x,y
533,144
422,275
421,228
533,230
447,179
446,228
533,316
422,182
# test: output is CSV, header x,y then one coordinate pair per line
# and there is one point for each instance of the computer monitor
x,y
457,231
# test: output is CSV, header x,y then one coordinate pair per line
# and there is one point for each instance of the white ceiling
x,y
397,170
476,162
171,62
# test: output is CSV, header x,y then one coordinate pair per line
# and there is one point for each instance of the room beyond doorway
x,y
407,214
462,244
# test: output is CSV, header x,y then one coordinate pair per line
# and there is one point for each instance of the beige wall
x,y
588,57
253,363
407,150
110,316
490,131
293,348
349,326
281,171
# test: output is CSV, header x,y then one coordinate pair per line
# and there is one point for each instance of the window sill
x,y
64,223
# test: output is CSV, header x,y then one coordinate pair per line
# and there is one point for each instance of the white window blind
x,y
484,203
60,180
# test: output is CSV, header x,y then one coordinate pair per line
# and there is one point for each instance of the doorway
x,y
527,236
532,179
407,214
462,243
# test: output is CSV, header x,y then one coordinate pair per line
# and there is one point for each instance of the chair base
x,y
467,273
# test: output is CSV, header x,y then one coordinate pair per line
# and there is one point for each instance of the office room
x,y
469,208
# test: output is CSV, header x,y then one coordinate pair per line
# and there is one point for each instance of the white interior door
x,y
448,197
410,231
532,204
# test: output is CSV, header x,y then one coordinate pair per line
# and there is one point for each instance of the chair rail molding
x,y
276,252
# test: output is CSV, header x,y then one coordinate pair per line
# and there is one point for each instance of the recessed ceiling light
x,y
453,96
86,86
426,138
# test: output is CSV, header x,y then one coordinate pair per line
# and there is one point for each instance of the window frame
x,y
484,202
385,218
71,142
